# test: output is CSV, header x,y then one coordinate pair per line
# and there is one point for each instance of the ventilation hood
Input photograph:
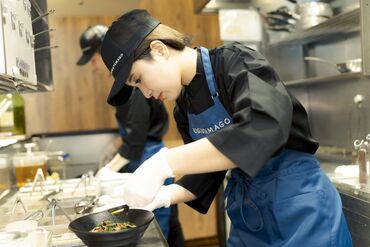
x,y
212,6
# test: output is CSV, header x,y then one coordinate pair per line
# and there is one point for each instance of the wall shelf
x,y
344,23
321,79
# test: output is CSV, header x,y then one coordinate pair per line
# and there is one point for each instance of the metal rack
x,y
344,23
320,79
354,21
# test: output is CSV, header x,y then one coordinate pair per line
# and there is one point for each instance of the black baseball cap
x,y
90,41
123,37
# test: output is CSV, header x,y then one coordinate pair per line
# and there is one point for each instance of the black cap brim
x,y
85,58
120,92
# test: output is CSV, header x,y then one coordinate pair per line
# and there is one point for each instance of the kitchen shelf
x,y
321,79
344,23
9,85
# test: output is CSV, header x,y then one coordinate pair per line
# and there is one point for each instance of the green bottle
x,y
12,117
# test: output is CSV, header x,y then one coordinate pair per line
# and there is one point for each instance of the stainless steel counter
x,y
356,204
19,204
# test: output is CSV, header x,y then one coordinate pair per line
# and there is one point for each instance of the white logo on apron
x,y
213,128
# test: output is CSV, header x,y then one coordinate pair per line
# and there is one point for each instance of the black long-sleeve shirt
x,y
143,119
266,117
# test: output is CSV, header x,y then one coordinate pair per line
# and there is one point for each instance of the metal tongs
x,y
86,204
86,179
119,209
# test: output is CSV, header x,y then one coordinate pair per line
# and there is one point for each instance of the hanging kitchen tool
x,y
352,65
43,15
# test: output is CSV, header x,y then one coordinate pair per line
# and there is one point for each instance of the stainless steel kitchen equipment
x,y
21,69
313,13
17,59
85,205
361,146
315,8
352,65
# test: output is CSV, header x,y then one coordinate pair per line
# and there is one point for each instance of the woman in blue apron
x,y
233,112
142,124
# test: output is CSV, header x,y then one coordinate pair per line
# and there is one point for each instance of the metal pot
x,y
352,65
313,13
315,9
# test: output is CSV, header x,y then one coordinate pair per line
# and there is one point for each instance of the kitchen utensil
x,y
284,11
353,65
118,210
315,9
43,15
52,207
52,193
313,13
86,204
37,215
83,225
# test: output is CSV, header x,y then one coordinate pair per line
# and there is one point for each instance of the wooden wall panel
x,y
78,101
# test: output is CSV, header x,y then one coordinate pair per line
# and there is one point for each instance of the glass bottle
x,y
12,117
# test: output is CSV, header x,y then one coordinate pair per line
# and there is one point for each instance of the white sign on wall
x,y
240,25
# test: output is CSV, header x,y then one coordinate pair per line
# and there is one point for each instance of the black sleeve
x,y
261,111
136,121
204,186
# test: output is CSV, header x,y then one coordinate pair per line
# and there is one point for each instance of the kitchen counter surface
x,y
61,235
355,201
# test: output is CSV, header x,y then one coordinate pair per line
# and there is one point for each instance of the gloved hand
x,y
117,163
118,191
107,154
144,184
106,173
162,199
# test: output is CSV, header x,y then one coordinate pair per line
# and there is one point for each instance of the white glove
x,y
109,200
117,163
106,202
144,184
106,173
162,199
118,191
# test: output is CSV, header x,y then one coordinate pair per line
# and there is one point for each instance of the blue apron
x,y
290,202
151,147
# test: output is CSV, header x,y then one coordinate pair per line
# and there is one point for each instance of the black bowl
x,y
83,225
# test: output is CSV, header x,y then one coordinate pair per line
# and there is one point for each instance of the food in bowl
x,y
108,226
